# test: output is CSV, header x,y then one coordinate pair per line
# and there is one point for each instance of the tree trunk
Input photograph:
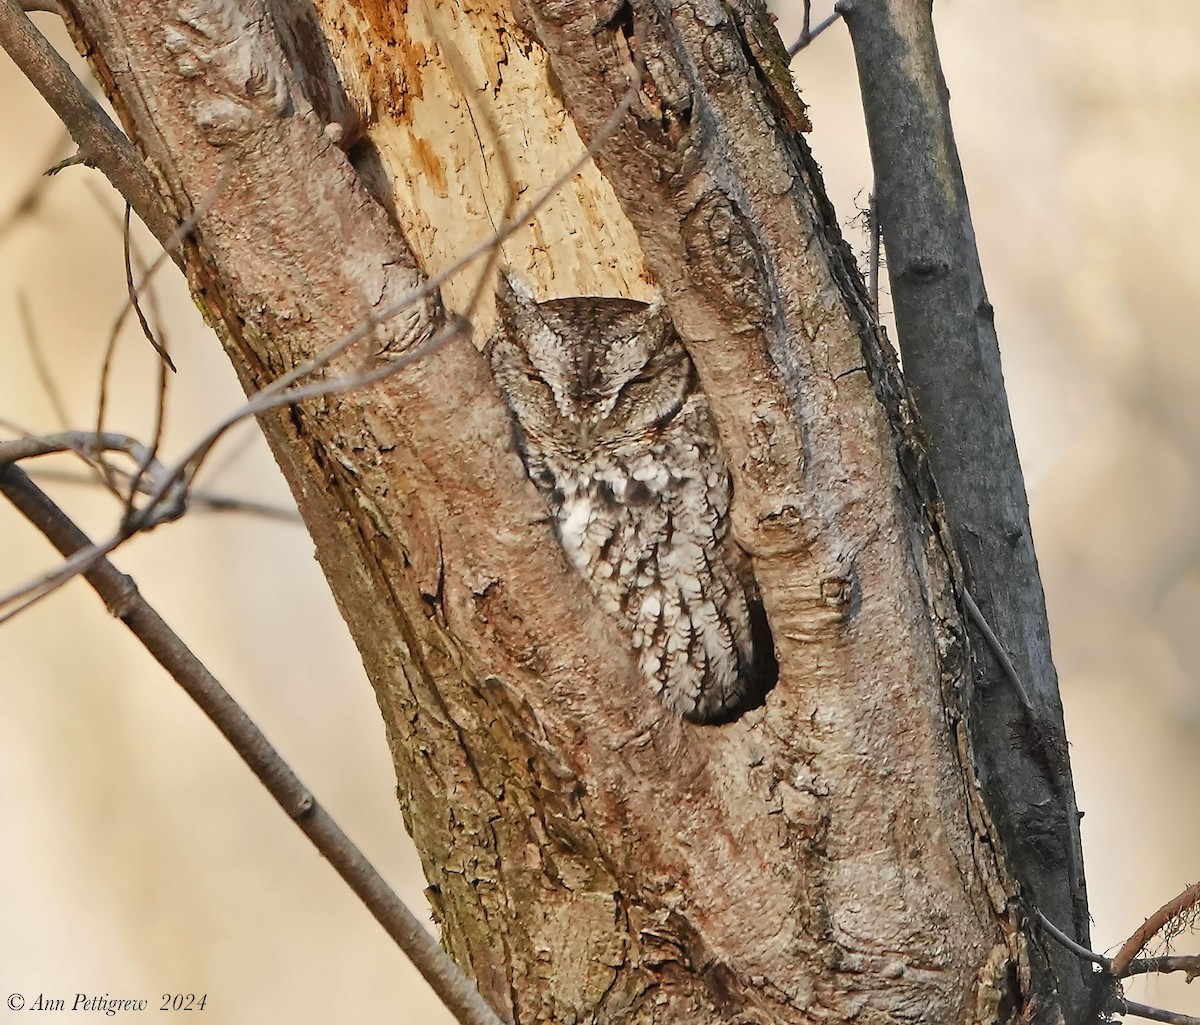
x,y
590,856
952,366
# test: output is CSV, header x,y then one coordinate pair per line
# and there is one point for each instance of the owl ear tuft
x,y
658,318
513,290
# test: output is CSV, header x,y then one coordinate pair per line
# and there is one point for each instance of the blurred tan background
x,y
138,857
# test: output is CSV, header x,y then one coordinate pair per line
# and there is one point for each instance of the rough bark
x,y
827,857
951,358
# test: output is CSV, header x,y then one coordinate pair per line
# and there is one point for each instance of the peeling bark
x,y
590,857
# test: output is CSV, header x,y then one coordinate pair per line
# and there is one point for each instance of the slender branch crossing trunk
x,y
590,856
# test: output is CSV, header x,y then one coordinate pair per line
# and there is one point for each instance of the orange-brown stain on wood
x,y
388,61
431,165
392,44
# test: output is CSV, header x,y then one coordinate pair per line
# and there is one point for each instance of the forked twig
x,y
1109,967
286,390
1189,963
807,35
1172,909
89,445
101,143
121,597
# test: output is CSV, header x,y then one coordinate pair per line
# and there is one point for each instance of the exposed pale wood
x,y
815,463
458,98
590,856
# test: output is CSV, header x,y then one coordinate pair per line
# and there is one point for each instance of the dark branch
x,y
1076,948
1189,963
1157,1014
952,365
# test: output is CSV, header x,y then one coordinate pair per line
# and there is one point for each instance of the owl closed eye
x,y
617,436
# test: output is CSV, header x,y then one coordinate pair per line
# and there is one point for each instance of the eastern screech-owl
x,y
616,434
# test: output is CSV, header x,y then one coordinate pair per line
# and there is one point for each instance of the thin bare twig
x,y
1040,730
1172,909
164,362
216,468
1076,948
1115,970
134,290
198,499
121,223
281,392
176,239
1010,671
875,242
35,590
172,243
1157,1014
1142,966
807,35
100,141
40,367
121,597
1189,963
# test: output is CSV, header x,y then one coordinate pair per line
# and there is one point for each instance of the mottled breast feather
x,y
618,437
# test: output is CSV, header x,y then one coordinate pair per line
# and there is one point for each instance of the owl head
x,y
586,372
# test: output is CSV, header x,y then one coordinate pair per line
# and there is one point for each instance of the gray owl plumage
x,y
616,434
